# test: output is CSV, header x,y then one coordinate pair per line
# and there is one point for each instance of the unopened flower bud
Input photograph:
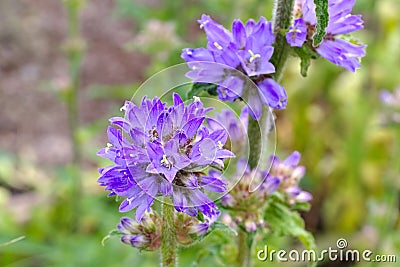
x,y
137,241
128,226
199,229
250,226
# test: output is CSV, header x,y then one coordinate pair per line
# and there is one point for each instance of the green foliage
x,y
198,88
224,228
321,10
305,53
283,220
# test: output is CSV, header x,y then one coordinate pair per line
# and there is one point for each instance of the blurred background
x,y
67,66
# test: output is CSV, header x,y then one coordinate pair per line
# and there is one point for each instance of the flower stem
x,y
168,239
256,129
74,50
282,18
244,255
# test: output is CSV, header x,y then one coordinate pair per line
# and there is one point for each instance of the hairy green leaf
x,y
305,53
285,221
321,10
224,227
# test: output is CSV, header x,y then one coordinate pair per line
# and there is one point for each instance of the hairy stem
x,y
168,239
256,129
244,255
281,21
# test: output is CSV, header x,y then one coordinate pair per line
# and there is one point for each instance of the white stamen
x,y
253,56
109,145
196,99
123,108
220,145
203,24
218,46
295,30
164,161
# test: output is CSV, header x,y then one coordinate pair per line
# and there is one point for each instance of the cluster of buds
x,y
190,229
289,175
145,235
245,200
391,102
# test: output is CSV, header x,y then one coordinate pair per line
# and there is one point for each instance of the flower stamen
x,y
109,145
166,163
253,56
220,145
218,46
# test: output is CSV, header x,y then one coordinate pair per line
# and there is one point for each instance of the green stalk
x,y
244,256
281,21
169,256
74,50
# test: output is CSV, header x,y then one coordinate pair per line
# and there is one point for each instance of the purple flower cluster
x,y
244,52
161,150
339,51
289,175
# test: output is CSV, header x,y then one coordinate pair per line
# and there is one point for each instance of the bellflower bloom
x,y
289,174
161,150
297,34
246,204
236,128
244,52
339,51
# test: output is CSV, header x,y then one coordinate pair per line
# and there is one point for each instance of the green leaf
x,y
223,227
198,88
285,221
200,216
321,10
111,234
216,228
305,53
305,206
